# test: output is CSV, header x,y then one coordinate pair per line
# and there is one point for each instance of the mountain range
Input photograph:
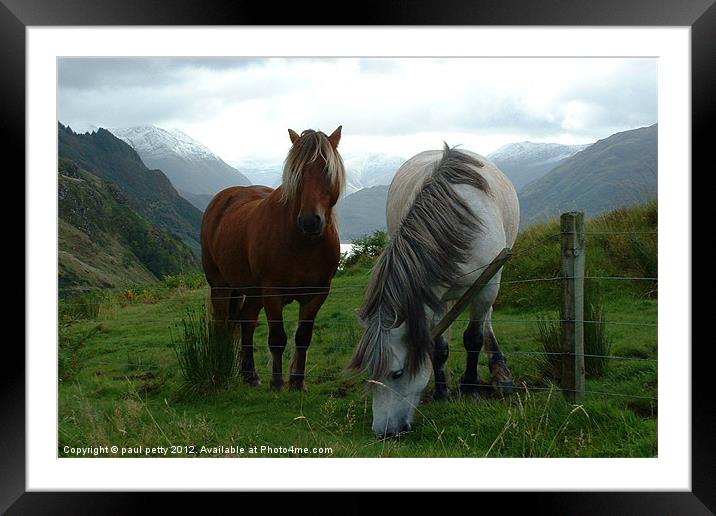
x,y
121,219
191,167
620,170
525,162
362,210
522,162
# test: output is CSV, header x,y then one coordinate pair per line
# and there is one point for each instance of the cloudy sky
x,y
241,108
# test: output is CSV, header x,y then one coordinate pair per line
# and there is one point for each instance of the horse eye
x,y
397,374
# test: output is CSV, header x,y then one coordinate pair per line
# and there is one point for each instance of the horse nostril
x,y
310,224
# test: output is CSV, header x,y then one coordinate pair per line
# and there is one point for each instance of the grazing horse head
x,y
313,179
396,384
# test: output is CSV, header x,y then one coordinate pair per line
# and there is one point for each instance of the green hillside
x,y
148,191
623,242
104,242
620,170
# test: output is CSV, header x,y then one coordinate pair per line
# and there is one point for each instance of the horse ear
x,y
335,137
293,135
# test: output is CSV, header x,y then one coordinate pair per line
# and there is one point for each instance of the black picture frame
x,y
700,15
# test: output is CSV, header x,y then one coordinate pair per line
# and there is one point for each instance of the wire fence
x,y
296,292
312,291
485,387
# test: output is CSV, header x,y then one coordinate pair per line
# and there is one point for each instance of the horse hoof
x,y
253,381
470,392
504,388
441,394
294,386
276,385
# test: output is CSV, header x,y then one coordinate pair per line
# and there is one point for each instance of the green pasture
x,y
120,383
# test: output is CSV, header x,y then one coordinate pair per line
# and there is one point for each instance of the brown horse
x,y
265,248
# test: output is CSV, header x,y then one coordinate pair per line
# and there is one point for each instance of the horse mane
x,y
434,237
310,145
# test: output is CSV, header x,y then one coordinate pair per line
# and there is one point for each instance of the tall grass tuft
x,y
538,427
208,354
82,306
549,333
597,341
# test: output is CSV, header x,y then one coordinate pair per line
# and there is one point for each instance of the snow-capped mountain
x,y
366,170
191,167
524,162
617,171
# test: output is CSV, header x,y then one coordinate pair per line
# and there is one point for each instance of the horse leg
x,y
473,339
307,315
273,307
500,375
220,301
248,317
440,356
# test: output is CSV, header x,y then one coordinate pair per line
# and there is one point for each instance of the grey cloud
x,y
87,73
115,92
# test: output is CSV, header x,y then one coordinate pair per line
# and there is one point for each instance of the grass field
x,y
120,384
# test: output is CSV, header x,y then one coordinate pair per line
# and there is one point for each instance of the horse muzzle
x,y
311,225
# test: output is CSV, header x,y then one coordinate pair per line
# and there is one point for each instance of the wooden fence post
x,y
572,229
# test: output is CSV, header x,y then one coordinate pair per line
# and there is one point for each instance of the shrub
x,y
365,250
208,353
185,281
